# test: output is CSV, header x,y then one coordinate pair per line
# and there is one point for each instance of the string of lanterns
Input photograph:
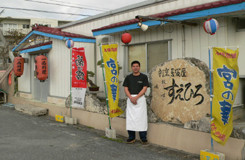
x,y
41,67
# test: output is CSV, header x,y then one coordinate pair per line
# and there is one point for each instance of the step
x,y
31,109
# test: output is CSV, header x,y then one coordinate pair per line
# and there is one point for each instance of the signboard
x,y
79,77
206,155
79,68
225,86
112,81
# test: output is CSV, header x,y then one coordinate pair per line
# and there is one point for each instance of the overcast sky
x,y
90,7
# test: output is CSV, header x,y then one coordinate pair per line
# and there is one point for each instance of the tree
x,y
8,42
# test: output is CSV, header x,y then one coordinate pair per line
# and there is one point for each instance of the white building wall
x,y
59,58
14,24
195,40
24,82
49,22
86,27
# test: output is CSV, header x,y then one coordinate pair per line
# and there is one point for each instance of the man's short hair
x,y
135,62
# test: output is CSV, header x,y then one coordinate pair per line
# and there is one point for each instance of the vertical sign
x,y
79,68
112,81
79,77
225,82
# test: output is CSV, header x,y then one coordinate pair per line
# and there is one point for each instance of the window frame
x,y
126,50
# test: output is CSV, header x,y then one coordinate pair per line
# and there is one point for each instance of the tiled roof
x,y
37,45
57,31
175,12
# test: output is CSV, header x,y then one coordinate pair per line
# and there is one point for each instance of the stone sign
x,y
180,90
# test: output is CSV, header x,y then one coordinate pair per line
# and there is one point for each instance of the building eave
x,y
127,25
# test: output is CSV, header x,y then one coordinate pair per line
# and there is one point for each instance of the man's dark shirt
x,y
136,83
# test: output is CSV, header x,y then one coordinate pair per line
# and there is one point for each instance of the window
x,y
26,26
149,54
13,26
137,52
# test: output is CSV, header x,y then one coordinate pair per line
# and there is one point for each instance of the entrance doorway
x,y
40,90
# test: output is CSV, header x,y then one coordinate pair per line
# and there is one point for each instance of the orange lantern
x,y
41,67
18,66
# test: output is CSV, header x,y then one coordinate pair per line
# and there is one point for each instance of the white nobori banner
x,y
78,96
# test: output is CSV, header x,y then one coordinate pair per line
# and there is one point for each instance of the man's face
x,y
135,68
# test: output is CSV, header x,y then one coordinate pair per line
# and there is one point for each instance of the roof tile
x,y
57,31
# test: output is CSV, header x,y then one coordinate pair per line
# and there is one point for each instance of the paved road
x,y
24,137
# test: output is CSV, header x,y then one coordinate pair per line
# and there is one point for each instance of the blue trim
x,y
55,37
65,38
81,40
186,16
22,41
125,28
36,49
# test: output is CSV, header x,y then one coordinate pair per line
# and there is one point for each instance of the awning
x,y
42,47
204,10
55,33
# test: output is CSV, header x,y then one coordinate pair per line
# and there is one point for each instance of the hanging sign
x,y
225,83
112,81
79,68
79,77
78,96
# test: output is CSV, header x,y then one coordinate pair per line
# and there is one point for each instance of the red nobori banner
x,y
79,68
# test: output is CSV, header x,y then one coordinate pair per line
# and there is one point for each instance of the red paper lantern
x,y
18,66
126,38
41,67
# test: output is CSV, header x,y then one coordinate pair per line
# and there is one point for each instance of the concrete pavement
x,y
26,137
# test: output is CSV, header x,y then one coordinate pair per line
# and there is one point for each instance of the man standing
x,y
135,86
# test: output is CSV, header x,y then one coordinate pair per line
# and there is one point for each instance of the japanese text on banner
x,y
225,82
111,76
79,68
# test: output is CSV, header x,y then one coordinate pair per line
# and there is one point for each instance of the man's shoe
x,y
144,142
130,141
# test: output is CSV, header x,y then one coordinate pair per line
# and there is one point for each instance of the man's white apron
x,y
136,115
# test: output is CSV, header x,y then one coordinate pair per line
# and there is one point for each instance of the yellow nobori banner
x,y
225,86
111,77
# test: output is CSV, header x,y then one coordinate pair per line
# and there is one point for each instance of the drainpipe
x,y
183,41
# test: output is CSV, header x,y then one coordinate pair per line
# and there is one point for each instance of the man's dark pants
x,y
142,134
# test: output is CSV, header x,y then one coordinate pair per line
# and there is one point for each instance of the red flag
x,y
79,68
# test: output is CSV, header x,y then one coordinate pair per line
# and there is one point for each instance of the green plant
x,y
90,82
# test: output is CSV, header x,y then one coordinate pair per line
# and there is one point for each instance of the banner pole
x,y
70,82
102,67
211,96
